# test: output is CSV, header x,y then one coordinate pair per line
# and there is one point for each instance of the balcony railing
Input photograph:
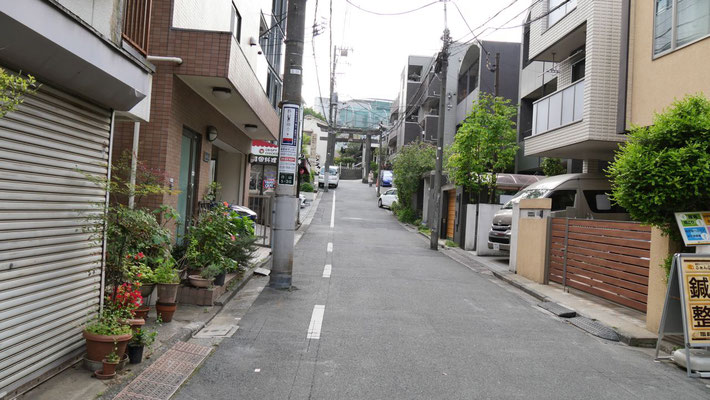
x,y
136,24
561,108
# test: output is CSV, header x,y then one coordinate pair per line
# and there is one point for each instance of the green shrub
x,y
406,215
413,160
451,243
552,166
307,187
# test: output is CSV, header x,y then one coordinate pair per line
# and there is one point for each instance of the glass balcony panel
x,y
578,100
555,119
567,106
542,113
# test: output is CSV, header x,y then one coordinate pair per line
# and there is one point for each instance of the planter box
x,y
203,296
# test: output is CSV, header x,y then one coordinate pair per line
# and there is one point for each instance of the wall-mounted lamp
x,y
222,93
211,133
250,128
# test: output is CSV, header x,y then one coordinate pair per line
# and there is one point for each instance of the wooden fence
x,y
609,259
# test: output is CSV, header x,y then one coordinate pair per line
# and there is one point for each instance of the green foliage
x,y
451,243
374,167
211,271
307,187
113,357
13,89
143,337
484,145
107,324
552,166
406,215
413,160
312,112
665,168
344,160
424,229
165,272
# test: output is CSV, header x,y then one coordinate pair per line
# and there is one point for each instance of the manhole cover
x,y
595,328
216,331
557,309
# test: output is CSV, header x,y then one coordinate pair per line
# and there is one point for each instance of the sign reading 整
x,y
695,273
695,227
288,147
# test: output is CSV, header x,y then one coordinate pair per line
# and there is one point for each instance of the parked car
x,y
386,178
333,177
387,198
244,211
573,195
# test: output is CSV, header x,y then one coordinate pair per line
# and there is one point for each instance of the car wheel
x,y
379,203
336,186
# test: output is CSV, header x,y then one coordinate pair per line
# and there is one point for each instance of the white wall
x,y
230,175
485,219
102,15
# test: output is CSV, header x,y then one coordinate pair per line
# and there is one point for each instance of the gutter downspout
x,y
176,60
134,164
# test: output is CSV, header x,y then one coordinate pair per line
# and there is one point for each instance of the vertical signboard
x,y
288,146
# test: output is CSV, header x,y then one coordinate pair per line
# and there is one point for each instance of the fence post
x,y
548,245
564,260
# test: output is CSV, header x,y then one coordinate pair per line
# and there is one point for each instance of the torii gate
x,y
368,133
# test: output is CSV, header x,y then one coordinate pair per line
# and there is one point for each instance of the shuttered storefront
x,y
50,267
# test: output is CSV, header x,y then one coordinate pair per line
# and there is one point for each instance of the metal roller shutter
x,y
50,268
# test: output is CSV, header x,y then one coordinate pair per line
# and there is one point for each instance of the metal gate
x,y
50,268
609,259
263,206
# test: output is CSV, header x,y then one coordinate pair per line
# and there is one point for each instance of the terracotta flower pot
x,y
165,311
99,346
142,312
109,367
198,281
167,292
135,323
100,375
147,290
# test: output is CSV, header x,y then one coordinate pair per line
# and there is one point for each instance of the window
x,y
578,70
236,24
561,199
560,9
679,22
599,202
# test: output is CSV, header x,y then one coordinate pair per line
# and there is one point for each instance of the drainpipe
x,y
134,164
176,60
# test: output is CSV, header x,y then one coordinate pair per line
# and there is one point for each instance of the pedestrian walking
x,y
370,178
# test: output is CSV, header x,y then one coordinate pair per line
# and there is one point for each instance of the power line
x,y
390,14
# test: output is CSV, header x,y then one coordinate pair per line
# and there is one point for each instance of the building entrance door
x,y
188,166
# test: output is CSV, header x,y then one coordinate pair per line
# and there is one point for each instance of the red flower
x,y
232,237
141,255
225,204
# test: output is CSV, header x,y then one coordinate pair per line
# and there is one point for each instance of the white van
x,y
573,195
333,177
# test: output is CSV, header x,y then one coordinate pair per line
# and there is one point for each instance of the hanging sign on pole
x,y
288,146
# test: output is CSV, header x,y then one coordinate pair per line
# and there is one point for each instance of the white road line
x,y
332,213
330,247
326,270
316,322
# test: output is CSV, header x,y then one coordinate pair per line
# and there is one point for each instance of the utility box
x,y
531,240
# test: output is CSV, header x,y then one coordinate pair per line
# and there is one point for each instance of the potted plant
x,y
110,363
143,274
141,339
206,276
165,311
167,278
104,335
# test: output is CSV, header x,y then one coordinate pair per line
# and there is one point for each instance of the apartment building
x,y
582,39
666,43
216,88
91,74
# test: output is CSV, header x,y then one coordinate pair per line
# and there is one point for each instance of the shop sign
x,y
695,227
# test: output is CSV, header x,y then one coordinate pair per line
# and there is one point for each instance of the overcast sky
x,y
380,44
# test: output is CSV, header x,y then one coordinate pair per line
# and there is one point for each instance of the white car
x,y
387,198
333,177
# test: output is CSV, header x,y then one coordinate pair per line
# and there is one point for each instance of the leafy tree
x,y
665,168
314,113
484,145
552,166
411,162
12,90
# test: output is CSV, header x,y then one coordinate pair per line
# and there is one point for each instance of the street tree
x,y
484,145
13,88
314,113
552,166
411,161
665,168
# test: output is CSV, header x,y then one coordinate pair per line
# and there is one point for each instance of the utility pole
x,y
367,158
286,201
380,159
330,151
444,64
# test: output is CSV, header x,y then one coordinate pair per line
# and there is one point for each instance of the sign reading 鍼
x,y
687,307
695,278
695,227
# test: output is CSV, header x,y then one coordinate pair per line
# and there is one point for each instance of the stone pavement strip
x,y
163,378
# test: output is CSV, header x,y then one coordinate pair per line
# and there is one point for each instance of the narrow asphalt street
x,y
395,320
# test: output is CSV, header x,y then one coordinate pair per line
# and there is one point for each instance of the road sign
x,y
695,227
687,306
288,147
